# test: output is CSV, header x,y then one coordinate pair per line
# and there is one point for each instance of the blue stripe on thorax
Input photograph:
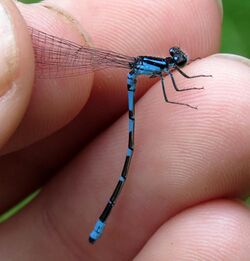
x,y
150,65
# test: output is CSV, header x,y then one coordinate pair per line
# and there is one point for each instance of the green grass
x,y
235,39
17,208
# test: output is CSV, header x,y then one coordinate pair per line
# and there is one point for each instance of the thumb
x,y
17,69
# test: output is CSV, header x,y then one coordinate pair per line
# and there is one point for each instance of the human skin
x,y
190,167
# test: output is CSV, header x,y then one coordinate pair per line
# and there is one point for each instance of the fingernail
x,y
234,57
220,6
8,49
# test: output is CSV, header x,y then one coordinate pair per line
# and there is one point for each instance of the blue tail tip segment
x,y
97,231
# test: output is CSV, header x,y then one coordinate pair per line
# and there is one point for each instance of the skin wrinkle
x,y
62,238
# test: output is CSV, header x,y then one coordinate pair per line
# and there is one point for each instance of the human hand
x,y
185,163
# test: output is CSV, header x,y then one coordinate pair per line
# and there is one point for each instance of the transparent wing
x,y
57,58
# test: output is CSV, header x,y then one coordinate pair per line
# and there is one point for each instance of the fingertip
x,y
17,69
232,57
55,101
199,232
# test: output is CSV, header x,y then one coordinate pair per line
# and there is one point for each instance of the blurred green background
x,y
235,39
235,31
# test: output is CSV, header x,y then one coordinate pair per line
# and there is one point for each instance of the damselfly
x,y
56,57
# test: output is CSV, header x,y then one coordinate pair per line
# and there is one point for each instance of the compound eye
x,y
172,51
176,58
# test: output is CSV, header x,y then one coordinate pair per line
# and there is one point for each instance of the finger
x,y
54,102
17,70
147,35
136,27
108,99
217,230
182,156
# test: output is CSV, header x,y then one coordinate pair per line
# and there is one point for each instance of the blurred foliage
x,y
235,31
236,22
29,1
